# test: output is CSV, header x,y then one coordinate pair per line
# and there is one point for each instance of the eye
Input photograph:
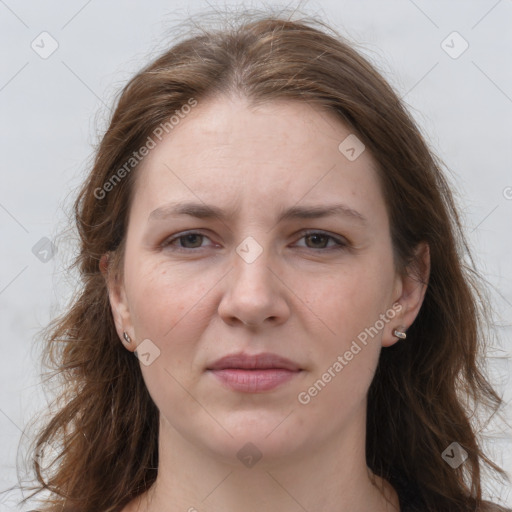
x,y
190,240
319,240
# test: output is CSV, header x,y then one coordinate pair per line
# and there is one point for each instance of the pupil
x,y
190,238
315,237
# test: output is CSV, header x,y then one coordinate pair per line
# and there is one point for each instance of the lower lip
x,y
254,381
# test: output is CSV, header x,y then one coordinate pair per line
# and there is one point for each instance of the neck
x,y
332,478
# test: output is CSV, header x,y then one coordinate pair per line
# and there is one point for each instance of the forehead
x,y
231,153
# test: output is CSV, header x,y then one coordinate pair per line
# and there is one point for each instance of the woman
x,y
266,230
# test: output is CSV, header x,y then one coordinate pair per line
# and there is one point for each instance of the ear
x,y
118,301
409,293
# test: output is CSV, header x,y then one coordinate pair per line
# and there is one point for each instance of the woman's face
x,y
316,288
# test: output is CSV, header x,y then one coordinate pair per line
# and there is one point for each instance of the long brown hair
x,y
422,398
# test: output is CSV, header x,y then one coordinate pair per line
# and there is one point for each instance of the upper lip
x,y
262,361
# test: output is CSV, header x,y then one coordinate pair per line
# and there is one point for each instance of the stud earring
x,y
127,338
399,334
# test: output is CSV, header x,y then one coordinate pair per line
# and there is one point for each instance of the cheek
x,y
351,305
354,299
346,356
162,299
166,308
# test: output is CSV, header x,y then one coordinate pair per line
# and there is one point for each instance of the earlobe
x,y
411,293
118,301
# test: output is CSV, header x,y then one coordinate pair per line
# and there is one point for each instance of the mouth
x,y
254,381
253,374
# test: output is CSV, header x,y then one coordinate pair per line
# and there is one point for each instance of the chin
x,y
265,437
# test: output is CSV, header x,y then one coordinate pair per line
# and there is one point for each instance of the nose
x,y
254,294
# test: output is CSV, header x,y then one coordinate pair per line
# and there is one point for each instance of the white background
x,y
53,110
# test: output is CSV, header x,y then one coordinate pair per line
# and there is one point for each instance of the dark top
x,y
409,495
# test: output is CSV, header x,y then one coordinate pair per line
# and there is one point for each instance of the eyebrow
x,y
204,211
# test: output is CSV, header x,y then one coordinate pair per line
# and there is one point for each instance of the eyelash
x,y
340,243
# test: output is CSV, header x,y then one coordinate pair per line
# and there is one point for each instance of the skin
x,y
304,298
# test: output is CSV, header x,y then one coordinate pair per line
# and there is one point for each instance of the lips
x,y
264,361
